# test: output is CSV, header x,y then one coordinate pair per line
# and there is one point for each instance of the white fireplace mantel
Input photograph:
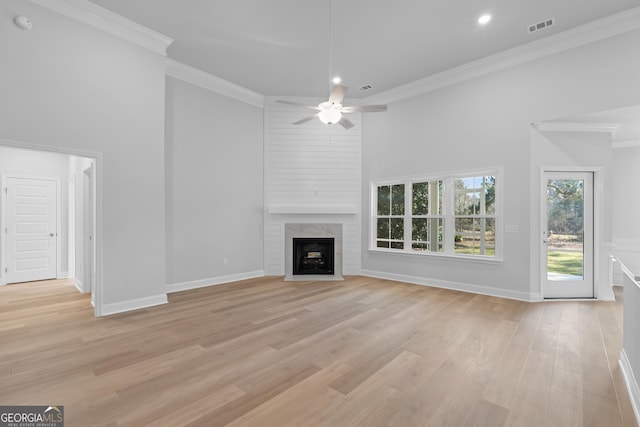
x,y
309,208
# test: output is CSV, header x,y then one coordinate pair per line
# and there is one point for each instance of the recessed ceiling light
x,y
336,80
484,19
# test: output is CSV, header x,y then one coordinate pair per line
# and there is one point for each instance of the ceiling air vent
x,y
365,87
541,25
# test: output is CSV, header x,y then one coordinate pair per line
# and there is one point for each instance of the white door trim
x,y
601,288
88,225
574,287
3,221
97,196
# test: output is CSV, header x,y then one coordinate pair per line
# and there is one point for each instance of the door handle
x,y
50,234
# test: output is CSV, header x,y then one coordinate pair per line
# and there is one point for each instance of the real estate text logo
x,y
31,416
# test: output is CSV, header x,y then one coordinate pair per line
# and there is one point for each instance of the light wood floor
x,y
267,353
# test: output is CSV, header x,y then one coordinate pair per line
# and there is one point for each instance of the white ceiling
x,y
281,47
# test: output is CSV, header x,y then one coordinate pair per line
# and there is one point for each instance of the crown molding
x,y
627,143
576,127
208,81
594,31
112,23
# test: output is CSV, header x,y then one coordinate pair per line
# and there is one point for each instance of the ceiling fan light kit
x,y
330,113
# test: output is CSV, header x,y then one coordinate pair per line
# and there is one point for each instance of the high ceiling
x,y
281,47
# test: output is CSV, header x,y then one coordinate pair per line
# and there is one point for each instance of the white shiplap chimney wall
x,y
312,175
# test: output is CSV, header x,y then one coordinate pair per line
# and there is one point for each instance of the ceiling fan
x,y
331,111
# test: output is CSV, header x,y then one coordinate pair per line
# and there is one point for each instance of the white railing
x,y
630,355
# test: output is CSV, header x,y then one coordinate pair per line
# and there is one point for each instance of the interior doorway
x,y
48,217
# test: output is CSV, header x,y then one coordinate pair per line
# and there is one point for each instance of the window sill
x,y
477,259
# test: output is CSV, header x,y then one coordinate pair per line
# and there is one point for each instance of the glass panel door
x,y
567,235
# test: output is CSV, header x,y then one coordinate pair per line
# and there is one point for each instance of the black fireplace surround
x,y
313,255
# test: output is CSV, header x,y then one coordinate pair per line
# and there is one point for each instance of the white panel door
x,y
31,229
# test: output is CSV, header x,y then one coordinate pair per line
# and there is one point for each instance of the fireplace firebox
x,y
313,255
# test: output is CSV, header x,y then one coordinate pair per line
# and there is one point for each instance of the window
x,y
390,218
448,215
427,220
474,213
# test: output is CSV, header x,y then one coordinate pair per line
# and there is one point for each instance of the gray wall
x,y
67,85
487,122
626,190
214,161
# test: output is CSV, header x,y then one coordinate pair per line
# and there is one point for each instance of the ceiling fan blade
x,y
346,123
364,109
306,119
337,94
298,104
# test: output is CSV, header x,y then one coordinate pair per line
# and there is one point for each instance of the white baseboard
x,y
79,285
64,275
632,384
195,284
136,304
456,286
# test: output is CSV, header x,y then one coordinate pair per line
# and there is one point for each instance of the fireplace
x,y
312,252
313,255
